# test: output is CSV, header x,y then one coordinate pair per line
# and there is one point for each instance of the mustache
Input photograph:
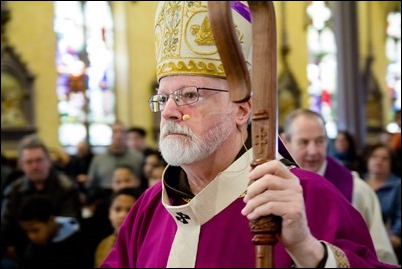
x,y
173,127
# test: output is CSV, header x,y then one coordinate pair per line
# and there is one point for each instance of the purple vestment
x,y
340,176
147,234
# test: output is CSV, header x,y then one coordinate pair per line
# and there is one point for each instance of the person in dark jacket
x,y
39,178
54,241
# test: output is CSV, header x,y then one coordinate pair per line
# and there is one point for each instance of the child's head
x,y
151,160
36,217
156,174
123,176
121,203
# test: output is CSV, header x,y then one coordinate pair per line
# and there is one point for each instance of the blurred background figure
x,y
59,158
384,137
395,143
387,186
123,176
6,170
78,167
151,160
54,241
156,174
9,172
306,138
344,150
96,220
102,166
121,203
40,177
136,140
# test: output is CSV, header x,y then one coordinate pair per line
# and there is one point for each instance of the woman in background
x,y
387,185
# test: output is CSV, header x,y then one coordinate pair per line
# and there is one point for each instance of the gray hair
x,y
298,113
31,142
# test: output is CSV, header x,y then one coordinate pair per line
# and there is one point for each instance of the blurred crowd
x,y
65,210
61,210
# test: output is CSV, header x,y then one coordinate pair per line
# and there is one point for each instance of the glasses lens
x,y
189,95
157,102
155,107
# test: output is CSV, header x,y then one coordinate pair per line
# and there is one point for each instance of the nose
x,y
312,148
171,111
35,165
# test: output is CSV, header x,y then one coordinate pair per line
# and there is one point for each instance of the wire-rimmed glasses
x,y
184,96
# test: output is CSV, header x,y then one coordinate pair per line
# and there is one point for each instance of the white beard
x,y
190,148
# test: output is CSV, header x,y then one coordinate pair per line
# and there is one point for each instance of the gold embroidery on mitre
x,y
192,68
200,39
184,42
203,33
167,28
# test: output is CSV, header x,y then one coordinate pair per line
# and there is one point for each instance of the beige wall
x,y
30,31
135,66
376,32
296,35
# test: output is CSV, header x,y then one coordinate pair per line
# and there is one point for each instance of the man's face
x,y
119,135
308,143
211,120
35,164
37,231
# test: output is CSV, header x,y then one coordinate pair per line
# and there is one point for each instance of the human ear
x,y
243,113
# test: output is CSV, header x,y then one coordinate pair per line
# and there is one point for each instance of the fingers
x,y
273,167
274,190
290,212
269,182
272,175
269,196
277,202
269,202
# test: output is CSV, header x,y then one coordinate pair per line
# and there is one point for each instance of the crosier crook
x,y
264,97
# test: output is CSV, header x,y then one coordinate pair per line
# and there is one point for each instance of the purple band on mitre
x,y
242,9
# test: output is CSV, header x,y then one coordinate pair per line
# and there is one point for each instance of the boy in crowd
x,y
55,242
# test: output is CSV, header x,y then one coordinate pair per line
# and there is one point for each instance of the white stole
x,y
220,193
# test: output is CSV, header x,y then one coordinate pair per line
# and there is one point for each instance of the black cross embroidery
x,y
182,217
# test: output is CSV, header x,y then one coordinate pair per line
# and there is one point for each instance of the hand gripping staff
x,y
264,97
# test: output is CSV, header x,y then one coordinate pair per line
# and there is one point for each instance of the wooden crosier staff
x,y
264,98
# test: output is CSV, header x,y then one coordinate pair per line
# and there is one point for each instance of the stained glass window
x,y
322,65
393,76
85,64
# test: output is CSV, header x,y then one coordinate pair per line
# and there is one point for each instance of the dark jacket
x,y
66,250
58,187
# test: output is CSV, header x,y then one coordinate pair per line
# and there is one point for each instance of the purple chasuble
x,y
340,176
147,233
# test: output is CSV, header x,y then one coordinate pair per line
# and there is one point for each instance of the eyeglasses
x,y
184,96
